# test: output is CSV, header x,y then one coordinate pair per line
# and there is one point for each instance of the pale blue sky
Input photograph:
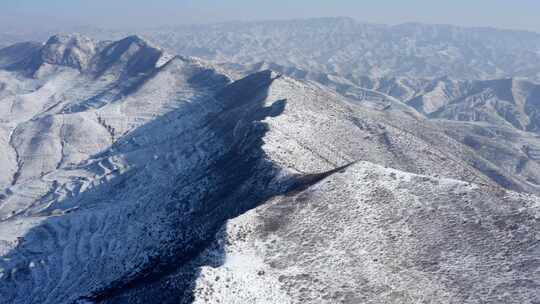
x,y
520,14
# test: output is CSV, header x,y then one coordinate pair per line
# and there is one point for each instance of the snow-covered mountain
x,y
348,47
133,176
345,46
497,118
375,235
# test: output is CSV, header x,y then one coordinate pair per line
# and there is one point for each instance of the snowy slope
x,y
496,118
376,235
123,163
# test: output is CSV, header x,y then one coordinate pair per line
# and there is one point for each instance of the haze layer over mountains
x,y
307,161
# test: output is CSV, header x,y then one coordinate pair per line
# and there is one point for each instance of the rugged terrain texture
x,y
133,176
347,47
374,235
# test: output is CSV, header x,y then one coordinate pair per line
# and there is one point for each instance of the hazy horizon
x,y
33,14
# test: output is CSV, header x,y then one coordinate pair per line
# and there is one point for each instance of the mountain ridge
x,y
194,182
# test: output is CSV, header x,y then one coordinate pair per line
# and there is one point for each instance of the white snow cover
x,y
124,167
375,235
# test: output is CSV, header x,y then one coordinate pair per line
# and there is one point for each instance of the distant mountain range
x,y
309,161
348,47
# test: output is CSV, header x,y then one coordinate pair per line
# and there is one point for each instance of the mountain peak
x,y
72,50
137,40
73,39
129,56
132,55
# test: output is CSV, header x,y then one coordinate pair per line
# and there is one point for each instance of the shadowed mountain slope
x,y
126,167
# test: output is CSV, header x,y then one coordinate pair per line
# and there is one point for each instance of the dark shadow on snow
x,y
231,177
